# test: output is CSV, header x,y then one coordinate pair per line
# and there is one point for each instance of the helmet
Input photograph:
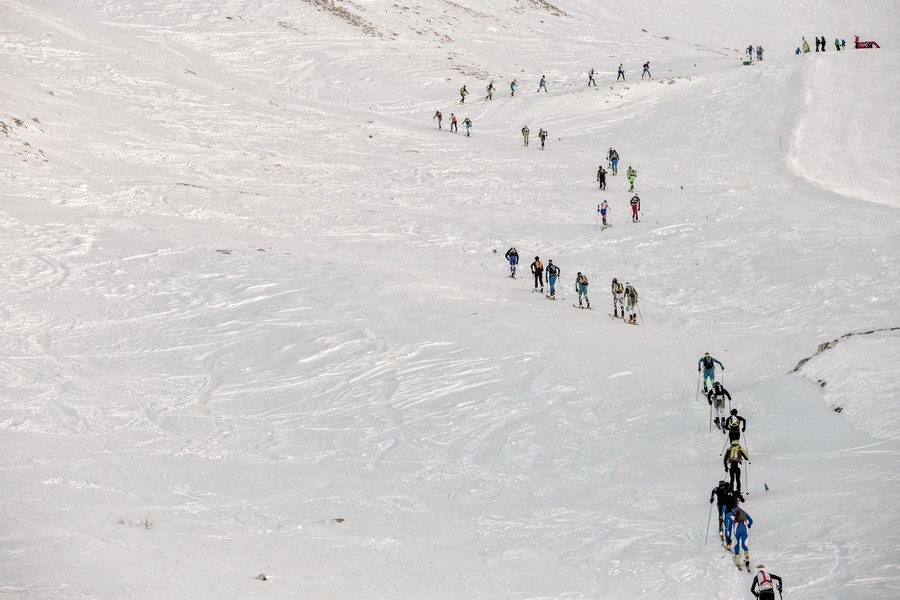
x,y
706,354
615,280
734,411
734,442
721,482
537,258
760,566
579,272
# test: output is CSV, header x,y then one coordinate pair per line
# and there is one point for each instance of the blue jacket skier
x,y
512,255
553,273
741,523
708,365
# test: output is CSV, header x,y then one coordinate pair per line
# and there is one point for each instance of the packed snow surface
x,y
257,318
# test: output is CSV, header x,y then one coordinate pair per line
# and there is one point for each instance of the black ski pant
x,y
538,279
766,595
603,182
735,473
734,435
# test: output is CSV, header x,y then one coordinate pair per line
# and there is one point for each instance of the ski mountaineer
x,y
732,459
601,177
525,133
709,369
762,586
646,70
553,272
543,84
438,116
609,157
631,299
632,175
537,269
735,424
512,255
837,44
490,91
453,125
732,499
618,292
721,494
759,53
718,394
463,92
581,288
741,523
512,88
604,208
805,47
614,161
542,133
750,51
635,208
591,79
621,73
468,123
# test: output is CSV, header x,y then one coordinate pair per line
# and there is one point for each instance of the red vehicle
x,y
860,44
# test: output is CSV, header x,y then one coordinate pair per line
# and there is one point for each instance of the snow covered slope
x,y
257,318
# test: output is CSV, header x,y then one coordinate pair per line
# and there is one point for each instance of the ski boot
x,y
737,560
705,391
747,560
580,305
588,304
728,545
717,422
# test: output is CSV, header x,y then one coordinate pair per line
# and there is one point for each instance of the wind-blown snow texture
x,y
252,301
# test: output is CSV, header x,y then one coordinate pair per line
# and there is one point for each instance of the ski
x,y
582,307
549,297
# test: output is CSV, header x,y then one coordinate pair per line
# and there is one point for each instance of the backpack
x,y
631,293
708,362
552,270
765,582
582,280
618,288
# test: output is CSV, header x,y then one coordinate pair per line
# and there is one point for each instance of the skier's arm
x,y
753,587
724,391
743,422
699,363
725,460
744,452
778,579
712,495
709,396
716,360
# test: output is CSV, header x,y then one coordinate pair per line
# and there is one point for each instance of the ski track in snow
x,y
254,298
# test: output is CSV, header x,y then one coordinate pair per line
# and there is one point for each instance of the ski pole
x,y
748,476
746,447
722,451
698,381
598,218
639,313
708,519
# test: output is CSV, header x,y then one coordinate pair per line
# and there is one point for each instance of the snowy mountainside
x,y
258,319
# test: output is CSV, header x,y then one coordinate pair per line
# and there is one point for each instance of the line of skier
x,y
734,522
625,298
454,124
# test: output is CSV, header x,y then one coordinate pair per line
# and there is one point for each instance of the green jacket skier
x,y
632,175
490,91
463,92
